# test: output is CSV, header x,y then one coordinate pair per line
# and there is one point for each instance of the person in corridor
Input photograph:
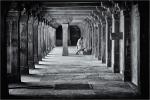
x,y
80,45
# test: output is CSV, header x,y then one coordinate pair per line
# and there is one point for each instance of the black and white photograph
x,y
74,49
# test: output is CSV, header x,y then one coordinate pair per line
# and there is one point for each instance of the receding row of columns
x,y
109,36
29,39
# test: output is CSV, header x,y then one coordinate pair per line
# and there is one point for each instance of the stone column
x,y
109,28
96,40
125,67
39,40
23,26
127,44
135,45
13,66
115,43
88,36
106,41
99,42
35,31
103,37
51,38
92,38
65,39
42,39
30,43
122,43
47,36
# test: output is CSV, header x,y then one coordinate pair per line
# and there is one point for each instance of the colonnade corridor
x,y
72,76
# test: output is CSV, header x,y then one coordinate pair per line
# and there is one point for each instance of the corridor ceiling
x,y
72,11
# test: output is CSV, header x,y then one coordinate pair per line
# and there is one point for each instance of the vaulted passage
x,y
39,49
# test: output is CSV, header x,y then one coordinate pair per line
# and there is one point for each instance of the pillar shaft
x,y
103,35
65,39
30,43
35,31
115,45
135,45
109,28
13,66
127,48
42,39
23,25
99,56
39,41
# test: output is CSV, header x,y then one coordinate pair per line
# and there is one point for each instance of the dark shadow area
x,y
33,75
144,49
73,86
75,34
59,36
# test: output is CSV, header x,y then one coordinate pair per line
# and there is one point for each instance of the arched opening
x,y
75,34
59,36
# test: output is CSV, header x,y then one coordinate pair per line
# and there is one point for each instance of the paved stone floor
x,y
71,77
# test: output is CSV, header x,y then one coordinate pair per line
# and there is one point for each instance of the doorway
x,y
75,34
59,36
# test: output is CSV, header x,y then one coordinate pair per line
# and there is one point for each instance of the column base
x,y
39,58
65,52
24,70
116,68
103,60
14,78
36,60
127,76
99,58
109,63
31,64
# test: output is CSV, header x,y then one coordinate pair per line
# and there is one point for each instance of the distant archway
x,y
75,34
59,36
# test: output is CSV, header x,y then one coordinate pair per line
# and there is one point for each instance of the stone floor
x,y
71,77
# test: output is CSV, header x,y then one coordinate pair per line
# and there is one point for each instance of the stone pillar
x,y
65,39
48,38
106,40
39,41
53,37
92,38
42,39
103,37
88,37
115,43
108,50
30,43
127,44
23,26
122,43
125,67
96,40
135,45
35,31
99,42
13,66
